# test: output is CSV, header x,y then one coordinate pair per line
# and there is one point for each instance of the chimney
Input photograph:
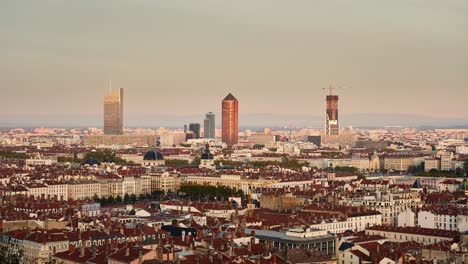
x,y
183,236
82,251
71,249
127,251
159,252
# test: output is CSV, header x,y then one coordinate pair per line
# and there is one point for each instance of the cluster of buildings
x,y
301,214
333,195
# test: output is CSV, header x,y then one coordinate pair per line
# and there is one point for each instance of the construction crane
x,y
331,88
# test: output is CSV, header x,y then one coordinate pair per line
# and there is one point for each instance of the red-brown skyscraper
x,y
230,120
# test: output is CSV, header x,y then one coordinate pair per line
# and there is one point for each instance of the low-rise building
x,y
424,236
79,190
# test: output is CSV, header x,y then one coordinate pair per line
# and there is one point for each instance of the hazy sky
x,y
183,57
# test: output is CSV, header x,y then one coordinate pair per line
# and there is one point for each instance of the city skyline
x,y
256,120
399,58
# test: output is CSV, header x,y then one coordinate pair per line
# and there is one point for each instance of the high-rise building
x,y
331,118
209,125
113,113
230,120
195,128
317,140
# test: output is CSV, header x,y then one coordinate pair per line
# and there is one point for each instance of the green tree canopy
x,y
204,192
11,253
176,162
13,155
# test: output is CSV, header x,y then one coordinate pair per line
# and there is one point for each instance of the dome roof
x,y
207,154
153,155
416,184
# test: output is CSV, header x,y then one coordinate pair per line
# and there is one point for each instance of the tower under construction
x,y
332,126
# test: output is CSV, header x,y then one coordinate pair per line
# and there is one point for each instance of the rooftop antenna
x,y
110,86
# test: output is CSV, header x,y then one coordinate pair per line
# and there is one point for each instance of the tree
x,y
110,200
133,198
106,155
465,167
347,169
156,194
416,169
11,253
13,155
176,162
104,200
126,198
228,163
70,159
196,161
204,192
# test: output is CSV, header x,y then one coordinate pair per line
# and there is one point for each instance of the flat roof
x,y
282,237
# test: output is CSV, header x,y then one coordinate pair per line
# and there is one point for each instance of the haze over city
x,y
396,62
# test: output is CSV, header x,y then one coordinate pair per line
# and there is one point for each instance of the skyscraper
x,y
331,118
195,128
113,112
230,120
209,125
